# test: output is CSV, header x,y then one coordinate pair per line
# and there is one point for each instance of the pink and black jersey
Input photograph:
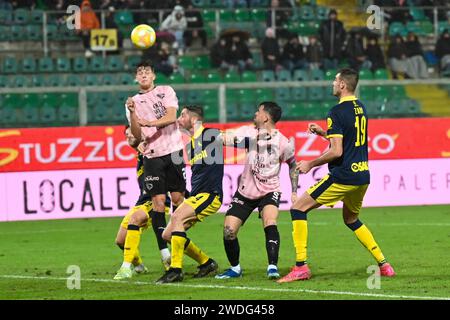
x,y
265,153
152,106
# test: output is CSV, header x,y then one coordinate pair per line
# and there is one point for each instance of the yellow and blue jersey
x,y
349,120
205,154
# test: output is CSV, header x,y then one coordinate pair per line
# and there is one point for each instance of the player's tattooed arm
x,y
293,175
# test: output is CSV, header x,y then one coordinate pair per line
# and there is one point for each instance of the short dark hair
x,y
145,64
350,77
195,109
273,109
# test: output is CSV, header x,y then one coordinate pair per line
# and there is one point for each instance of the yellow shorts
x,y
328,194
146,207
205,204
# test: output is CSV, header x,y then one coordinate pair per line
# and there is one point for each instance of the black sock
x,y
272,243
159,224
232,249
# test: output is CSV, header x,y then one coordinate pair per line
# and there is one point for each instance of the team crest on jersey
x,y
149,186
161,95
329,123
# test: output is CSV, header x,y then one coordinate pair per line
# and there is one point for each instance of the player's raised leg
x,y
350,213
299,212
269,217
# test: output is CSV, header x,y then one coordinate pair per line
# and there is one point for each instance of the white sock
x,y
126,265
272,266
165,254
237,268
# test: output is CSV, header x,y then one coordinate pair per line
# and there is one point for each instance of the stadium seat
x,y
132,62
246,95
20,81
114,64
75,80
365,74
299,94
186,62
294,111
214,76
21,16
28,65
282,94
268,76
226,15
284,75
264,94
397,92
194,96
300,75
198,3
232,96
241,15
97,64
202,62
196,78
37,80
36,17
92,80
47,115
397,28
67,115
322,13
54,80
50,100
249,76
108,79
18,33
45,64
330,74
176,78
52,32
232,76
6,16
123,17
247,111
118,114
417,13
258,15
210,112
307,13
80,64
315,93
381,74
128,79
99,113
232,112
63,64
3,82
33,33
9,116
9,65
216,4
4,33
208,15
210,97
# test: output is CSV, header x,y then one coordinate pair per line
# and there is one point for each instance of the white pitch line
x,y
201,286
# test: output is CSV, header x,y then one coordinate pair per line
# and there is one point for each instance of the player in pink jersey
x,y
259,186
152,114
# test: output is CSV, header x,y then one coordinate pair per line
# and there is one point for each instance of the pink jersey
x,y
152,106
263,161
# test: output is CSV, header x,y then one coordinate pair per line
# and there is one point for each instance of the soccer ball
x,y
143,36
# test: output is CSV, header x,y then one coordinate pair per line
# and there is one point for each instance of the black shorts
x,y
241,207
161,175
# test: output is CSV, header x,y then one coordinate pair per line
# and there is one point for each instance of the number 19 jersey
x,y
348,120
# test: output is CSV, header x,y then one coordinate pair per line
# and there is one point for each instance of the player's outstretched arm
x,y
334,152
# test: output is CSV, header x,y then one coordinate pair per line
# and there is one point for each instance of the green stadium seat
x,y
232,112
21,16
264,94
74,80
9,65
99,113
118,114
284,75
214,76
97,64
232,96
210,97
442,26
315,93
366,93
299,94
33,33
47,115
365,74
208,15
199,3
28,65
294,111
67,115
381,93
397,28
37,80
197,78
249,76
397,92
307,13
247,111
124,17
45,64
68,99
194,96
36,16
20,81
322,13
92,80
210,112
246,95
241,15
202,62
127,79
226,15
216,3
9,116
133,61
80,64
282,94
231,77
108,79
3,82
268,76
176,78
417,13
50,100
5,33
6,16
161,78
317,75
18,33
300,75
52,32
63,64
258,15
330,74
381,74
54,80
13,100
186,62
114,64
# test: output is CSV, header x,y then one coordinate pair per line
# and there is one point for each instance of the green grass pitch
x,y
35,255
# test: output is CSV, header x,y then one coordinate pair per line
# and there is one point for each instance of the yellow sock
x,y
366,238
137,258
178,241
132,241
196,253
299,234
